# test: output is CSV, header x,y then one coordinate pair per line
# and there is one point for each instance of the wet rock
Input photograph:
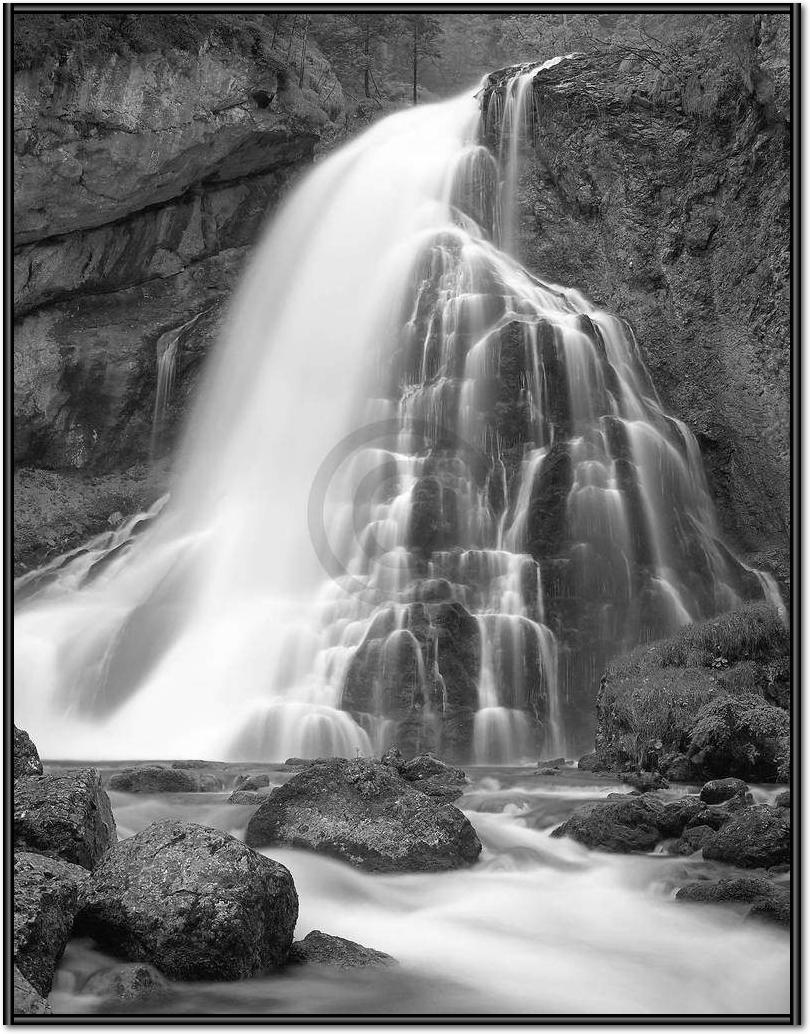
x,y
65,815
783,799
128,982
27,1000
769,901
644,781
718,790
194,902
678,814
192,764
207,782
775,908
755,836
551,763
327,950
694,839
547,771
393,758
363,813
153,779
26,758
622,823
434,777
46,900
247,797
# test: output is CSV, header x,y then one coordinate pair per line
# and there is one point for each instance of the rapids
x,y
476,456
539,925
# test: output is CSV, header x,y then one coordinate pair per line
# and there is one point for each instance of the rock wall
x,y
141,180
669,203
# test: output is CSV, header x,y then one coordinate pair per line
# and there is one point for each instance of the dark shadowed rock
x,y
624,822
694,839
592,763
783,799
324,949
26,758
644,781
46,899
718,790
754,836
153,779
27,1000
66,815
678,814
194,902
127,982
678,768
363,813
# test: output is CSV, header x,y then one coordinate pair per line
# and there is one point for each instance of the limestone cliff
x,y
142,176
669,202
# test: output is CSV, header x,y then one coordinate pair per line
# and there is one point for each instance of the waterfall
x,y
478,459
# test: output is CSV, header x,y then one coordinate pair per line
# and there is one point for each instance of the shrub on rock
x,y
327,950
46,900
194,902
754,836
153,779
742,736
65,815
621,823
26,758
364,813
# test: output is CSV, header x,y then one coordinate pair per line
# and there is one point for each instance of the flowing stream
x,y
476,456
538,925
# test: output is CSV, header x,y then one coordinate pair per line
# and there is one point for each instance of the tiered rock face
x,y
141,181
669,203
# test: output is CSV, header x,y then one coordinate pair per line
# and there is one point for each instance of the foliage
x,y
755,632
740,735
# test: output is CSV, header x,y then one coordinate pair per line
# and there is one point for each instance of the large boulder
x,y
194,902
27,1000
620,823
718,790
26,758
46,900
430,775
64,814
363,813
325,949
754,836
153,779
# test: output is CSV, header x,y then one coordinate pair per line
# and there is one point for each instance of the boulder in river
x,y
153,779
754,836
193,901
783,799
26,757
694,839
770,901
718,790
247,797
622,822
325,949
46,900
364,813
433,777
127,982
254,782
644,782
27,1000
65,815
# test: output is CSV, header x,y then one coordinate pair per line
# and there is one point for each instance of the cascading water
x,y
478,457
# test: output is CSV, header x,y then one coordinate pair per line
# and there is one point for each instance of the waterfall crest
x,y
476,456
